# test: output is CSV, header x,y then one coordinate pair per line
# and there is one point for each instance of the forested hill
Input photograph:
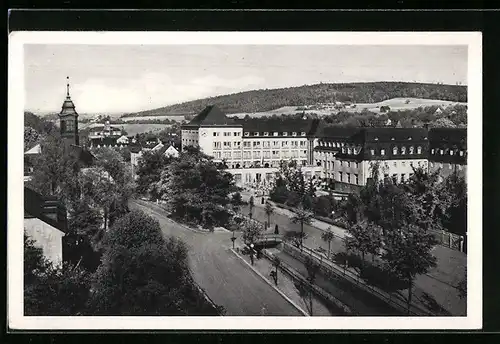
x,y
270,99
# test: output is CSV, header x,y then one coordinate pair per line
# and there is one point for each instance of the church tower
x,y
68,120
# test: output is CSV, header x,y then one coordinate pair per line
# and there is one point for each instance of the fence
x,y
330,269
322,294
450,240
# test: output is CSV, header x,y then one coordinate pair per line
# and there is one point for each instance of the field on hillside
x,y
172,118
133,129
395,104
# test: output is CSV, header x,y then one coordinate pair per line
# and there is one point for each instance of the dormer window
x,y
285,133
451,151
403,150
266,133
349,151
419,150
433,151
441,152
382,152
376,139
275,134
247,133
409,138
343,149
256,134
372,151
395,151
392,138
461,153
412,150
303,133
294,134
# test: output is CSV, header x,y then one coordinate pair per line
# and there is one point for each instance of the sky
x,y
131,78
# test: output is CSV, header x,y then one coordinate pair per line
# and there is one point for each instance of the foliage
x,y
150,166
84,220
50,290
302,217
269,210
294,237
144,274
455,216
31,138
252,230
197,190
328,237
364,237
265,100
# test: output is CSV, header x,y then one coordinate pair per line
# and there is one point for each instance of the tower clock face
x,y
203,133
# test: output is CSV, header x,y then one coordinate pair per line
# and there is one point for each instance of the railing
x,y
316,289
330,269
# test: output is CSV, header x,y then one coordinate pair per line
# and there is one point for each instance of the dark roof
x,y
135,148
106,141
448,135
279,125
84,156
337,132
211,115
68,107
395,134
48,209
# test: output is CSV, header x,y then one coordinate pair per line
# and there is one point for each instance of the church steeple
x,y
68,118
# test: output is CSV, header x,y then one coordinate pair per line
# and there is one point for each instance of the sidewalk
x,y
287,286
435,290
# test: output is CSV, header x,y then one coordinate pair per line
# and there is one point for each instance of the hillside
x,y
266,100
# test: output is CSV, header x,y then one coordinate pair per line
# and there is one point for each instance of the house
x,y
448,151
45,222
29,155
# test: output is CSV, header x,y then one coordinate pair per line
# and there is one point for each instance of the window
x,y
302,143
285,133
216,133
441,152
266,133
70,125
227,155
451,151
266,144
348,177
246,155
395,178
227,144
419,150
256,134
372,151
403,150
382,152
343,149
411,150
284,144
276,144
340,176
267,154
295,143
461,153
246,144
236,133
227,133
432,151
403,176
218,155
356,179
256,155
246,133
237,145
237,155
276,154
295,154
294,134
256,144
285,154
403,163
217,145
303,133
395,151
275,134
395,164
349,151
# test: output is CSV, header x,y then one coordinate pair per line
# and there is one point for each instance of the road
x,y
437,286
227,281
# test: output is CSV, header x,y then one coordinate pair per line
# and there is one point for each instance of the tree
x,y
312,268
251,205
51,290
236,201
84,220
252,230
328,237
150,166
31,138
443,123
276,263
142,273
365,237
269,210
294,237
462,287
197,191
302,217
408,253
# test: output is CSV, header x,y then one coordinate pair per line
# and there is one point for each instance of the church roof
x,y
211,115
68,107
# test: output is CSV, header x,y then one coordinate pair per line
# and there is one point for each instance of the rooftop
x,y
211,115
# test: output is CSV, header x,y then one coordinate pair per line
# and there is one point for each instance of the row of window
x,y
227,133
294,133
448,151
353,164
274,154
258,145
448,166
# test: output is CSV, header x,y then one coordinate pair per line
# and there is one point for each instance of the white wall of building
x,y
48,238
222,143
189,137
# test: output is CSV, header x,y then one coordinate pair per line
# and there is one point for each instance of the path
x,y
437,287
221,274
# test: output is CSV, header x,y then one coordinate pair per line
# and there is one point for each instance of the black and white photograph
x,y
236,180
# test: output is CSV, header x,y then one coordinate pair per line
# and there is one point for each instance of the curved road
x,y
227,281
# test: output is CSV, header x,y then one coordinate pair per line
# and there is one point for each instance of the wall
x,y
273,149
250,175
48,238
445,169
230,153
189,137
391,167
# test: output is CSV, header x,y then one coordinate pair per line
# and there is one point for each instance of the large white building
x,y
252,149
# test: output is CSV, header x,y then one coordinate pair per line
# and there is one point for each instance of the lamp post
x,y
251,252
233,239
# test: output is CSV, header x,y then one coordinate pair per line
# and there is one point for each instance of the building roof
x,y
35,150
47,209
278,125
211,115
448,135
394,134
68,107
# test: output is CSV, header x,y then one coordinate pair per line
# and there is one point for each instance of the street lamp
x,y
251,252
